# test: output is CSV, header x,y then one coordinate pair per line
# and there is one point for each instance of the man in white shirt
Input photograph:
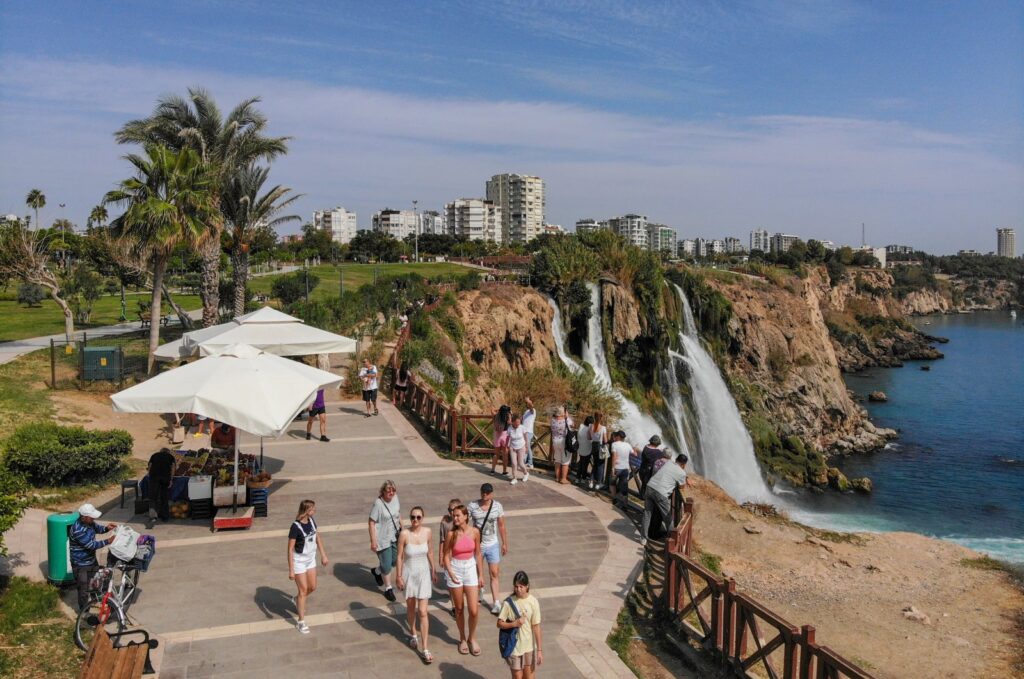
x,y
488,516
368,375
620,468
529,419
659,493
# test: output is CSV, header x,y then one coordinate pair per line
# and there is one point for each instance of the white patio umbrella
x,y
267,329
250,389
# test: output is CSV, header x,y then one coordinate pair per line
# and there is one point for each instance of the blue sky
x,y
716,118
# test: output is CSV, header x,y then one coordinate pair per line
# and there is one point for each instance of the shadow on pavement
x,y
275,604
453,671
358,576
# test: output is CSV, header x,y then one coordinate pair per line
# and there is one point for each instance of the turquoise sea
x,y
957,470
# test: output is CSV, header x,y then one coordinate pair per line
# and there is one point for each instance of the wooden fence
x,y
745,637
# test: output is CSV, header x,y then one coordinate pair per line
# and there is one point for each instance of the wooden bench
x,y
145,318
107,659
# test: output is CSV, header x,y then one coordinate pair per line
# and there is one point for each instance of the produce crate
x,y
224,496
258,500
200,487
200,509
228,519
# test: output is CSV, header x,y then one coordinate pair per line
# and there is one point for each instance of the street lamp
x,y
416,225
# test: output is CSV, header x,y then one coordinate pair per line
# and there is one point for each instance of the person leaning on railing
x,y
658,496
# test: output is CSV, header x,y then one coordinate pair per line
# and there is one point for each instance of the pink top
x,y
464,548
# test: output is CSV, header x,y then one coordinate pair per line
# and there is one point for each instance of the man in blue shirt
x,y
83,548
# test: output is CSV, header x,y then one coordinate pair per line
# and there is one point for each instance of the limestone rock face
x,y
622,311
925,302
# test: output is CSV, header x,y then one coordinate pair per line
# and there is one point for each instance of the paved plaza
x,y
221,602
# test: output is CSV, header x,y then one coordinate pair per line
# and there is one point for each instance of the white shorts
x,y
303,562
465,570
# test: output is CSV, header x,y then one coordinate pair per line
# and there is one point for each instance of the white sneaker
x,y
496,608
302,626
526,476
590,485
514,482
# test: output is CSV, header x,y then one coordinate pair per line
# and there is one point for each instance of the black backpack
x,y
572,441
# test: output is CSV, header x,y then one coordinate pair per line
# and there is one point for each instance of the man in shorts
x,y
488,516
368,374
318,410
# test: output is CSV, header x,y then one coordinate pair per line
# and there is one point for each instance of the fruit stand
x,y
203,479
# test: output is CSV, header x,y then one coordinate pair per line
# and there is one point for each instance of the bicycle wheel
x,y
94,615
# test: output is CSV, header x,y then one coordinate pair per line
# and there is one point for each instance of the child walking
x,y
528,653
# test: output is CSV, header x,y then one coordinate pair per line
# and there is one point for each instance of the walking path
x,y
221,602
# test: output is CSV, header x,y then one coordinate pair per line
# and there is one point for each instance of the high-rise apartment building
x,y
782,242
760,240
899,249
700,247
716,247
631,227
587,224
520,197
339,221
687,247
474,219
1006,243
661,238
733,246
433,222
396,223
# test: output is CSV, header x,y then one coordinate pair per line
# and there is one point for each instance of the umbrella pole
x,y
261,453
234,500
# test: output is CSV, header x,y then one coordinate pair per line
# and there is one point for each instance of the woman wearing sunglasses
x,y
416,574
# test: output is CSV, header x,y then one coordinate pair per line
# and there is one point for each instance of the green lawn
x,y
357,275
35,637
19,322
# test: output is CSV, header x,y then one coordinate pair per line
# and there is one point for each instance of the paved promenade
x,y
220,603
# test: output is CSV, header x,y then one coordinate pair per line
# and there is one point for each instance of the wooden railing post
x,y
453,426
730,619
806,652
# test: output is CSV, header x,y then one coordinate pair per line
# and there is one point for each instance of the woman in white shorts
x,y
463,564
416,575
303,544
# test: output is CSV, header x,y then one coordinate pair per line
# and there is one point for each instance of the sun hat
x,y
655,440
560,411
90,511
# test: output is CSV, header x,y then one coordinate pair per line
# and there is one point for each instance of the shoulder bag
x,y
507,638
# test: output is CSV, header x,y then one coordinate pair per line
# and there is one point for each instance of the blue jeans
x,y
598,474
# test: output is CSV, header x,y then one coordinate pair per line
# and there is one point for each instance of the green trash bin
x,y
58,547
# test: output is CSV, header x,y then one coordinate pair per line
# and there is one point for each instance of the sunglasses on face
x,y
416,517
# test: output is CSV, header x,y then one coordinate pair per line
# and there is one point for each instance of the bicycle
x,y
109,602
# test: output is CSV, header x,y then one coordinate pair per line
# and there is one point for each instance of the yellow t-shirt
x,y
530,608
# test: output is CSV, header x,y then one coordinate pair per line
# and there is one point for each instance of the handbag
x,y
508,638
572,441
178,434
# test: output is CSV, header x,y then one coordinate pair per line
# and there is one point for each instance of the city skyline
x,y
796,132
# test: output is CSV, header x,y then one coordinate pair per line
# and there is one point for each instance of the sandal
x,y
463,648
427,656
474,648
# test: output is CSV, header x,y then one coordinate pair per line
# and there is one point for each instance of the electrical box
x,y
101,363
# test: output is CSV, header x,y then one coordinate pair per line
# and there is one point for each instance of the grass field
x,y
20,322
35,637
357,275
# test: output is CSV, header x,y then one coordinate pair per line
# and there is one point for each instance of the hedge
x,y
49,454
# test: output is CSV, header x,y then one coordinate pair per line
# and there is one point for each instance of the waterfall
x,y
559,332
689,327
728,453
638,427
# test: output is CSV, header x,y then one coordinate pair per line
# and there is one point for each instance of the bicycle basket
x,y
100,580
143,558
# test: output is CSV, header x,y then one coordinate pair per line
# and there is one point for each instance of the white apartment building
x,y
474,219
433,222
716,247
687,247
733,246
339,221
631,227
829,245
520,197
760,240
553,229
899,249
661,238
1006,242
782,242
396,223
587,224
700,248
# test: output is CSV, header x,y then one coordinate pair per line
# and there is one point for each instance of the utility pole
x,y
341,274
416,218
863,235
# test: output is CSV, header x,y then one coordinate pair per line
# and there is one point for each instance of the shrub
x,y
49,454
13,501
30,294
292,287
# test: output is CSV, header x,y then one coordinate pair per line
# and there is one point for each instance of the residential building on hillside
x,y
716,247
587,224
520,197
433,222
829,245
474,219
396,223
661,238
1006,242
968,253
877,253
553,229
782,242
760,240
339,221
687,247
631,227
734,246
899,249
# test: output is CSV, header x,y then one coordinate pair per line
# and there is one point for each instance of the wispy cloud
x,y
367,149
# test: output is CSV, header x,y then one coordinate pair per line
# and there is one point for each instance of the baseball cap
x,y
90,511
486,488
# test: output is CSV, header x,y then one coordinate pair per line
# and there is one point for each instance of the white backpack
x,y
125,543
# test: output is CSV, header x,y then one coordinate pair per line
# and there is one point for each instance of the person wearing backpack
x,y
519,637
561,455
83,546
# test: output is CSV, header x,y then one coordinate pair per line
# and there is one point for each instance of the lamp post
x,y
416,225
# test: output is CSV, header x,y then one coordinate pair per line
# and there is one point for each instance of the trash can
x,y
58,547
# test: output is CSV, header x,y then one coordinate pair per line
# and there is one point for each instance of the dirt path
x,y
854,587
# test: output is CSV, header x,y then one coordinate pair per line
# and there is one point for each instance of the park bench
x,y
146,318
104,660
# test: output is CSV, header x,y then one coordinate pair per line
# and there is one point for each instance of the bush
x,y
30,294
292,287
49,454
13,501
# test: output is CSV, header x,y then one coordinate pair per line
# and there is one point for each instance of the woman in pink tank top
x,y
463,565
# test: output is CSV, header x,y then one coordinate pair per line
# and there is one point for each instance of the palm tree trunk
x,y
240,276
159,266
183,317
209,281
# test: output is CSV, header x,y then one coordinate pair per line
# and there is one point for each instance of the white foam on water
x,y
559,333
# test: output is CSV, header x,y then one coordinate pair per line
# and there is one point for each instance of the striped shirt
x,y
84,543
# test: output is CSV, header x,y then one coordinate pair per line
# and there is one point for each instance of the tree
x,y
169,201
30,294
226,145
97,217
25,255
36,200
292,287
377,244
247,213
82,287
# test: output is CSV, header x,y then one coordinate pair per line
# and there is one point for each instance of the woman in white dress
x,y
416,575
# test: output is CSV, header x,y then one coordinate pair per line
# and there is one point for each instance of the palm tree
x,y
247,213
226,145
168,202
98,216
36,200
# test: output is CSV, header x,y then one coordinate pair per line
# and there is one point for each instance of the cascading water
x,y
728,453
559,332
638,427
